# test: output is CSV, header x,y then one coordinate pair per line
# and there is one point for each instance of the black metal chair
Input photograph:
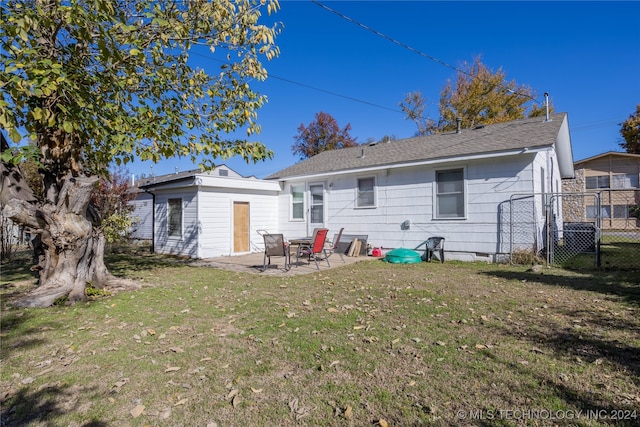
x,y
333,248
274,246
433,245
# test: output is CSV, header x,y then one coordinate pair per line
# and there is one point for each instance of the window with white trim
x,y
366,197
297,202
174,216
450,193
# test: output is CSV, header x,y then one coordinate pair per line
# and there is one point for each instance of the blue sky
x,y
586,55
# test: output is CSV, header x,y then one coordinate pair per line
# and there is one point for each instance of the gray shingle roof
x,y
502,137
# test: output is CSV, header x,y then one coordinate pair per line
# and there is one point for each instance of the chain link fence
x,y
574,230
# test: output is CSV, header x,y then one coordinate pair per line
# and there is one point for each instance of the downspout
x,y
153,220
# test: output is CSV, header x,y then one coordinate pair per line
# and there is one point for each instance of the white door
x,y
316,207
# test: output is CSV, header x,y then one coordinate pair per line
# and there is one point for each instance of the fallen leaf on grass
x,y
256,390
176,349
46,371
383,423
298,411
181,402
348,412
235,401
358,327
334,363
117,385
165,414
137,411
233,393
172,369
332,310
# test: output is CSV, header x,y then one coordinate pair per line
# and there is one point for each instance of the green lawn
x,y
366,344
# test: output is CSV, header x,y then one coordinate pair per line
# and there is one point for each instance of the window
x,y
366,193
621,211
297,202
629,180
175,217
450,194
605,211
595,182
317,203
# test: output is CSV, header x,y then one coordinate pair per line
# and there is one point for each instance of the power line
x,y
310,87
406,46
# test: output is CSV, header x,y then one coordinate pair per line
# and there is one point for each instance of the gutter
x,y
409,164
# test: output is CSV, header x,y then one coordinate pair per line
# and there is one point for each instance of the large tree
x,y
478,96
630,131
322,134
92,82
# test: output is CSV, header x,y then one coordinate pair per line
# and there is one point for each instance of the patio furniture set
x,y
320,249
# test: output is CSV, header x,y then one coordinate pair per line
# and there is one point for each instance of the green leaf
x,y
67,126
14,135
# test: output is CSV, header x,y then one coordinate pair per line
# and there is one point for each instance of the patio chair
x,y
274,246
333,246
315,248
434,244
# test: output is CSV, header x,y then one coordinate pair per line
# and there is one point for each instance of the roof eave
x,y
426,162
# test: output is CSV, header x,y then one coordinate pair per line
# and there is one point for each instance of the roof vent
x,y
362,154
546,104
458,124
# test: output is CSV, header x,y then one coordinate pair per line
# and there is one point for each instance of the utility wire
x,y
309,86
406,46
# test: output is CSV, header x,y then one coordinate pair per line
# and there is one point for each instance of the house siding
x,y
187,244
408,194
141,228
216,220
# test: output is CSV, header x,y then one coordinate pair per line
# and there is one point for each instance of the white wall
x,y
408,194
187,245
142,217
215,219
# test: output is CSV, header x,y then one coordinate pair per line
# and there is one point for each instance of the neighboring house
x,y
458,185
203,215
615,177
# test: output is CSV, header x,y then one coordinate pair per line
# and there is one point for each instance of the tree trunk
x,y
73,250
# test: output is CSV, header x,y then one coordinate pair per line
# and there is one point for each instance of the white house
x,y
458,185
203,215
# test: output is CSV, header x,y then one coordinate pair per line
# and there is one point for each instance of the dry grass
x,y
366,344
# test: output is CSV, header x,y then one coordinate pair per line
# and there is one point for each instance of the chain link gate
x,y
553,228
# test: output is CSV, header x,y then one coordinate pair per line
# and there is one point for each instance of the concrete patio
x,y
253,263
